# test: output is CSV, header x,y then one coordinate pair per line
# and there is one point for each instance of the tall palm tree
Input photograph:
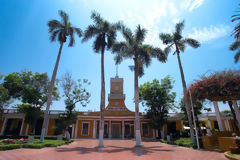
x,y
176,41
60,30
141,54
105,34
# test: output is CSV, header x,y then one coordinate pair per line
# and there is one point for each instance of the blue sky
x,y
24,40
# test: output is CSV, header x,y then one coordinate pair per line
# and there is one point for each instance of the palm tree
x,y
105,34
235,46
177,42
60,30
236,30
141,54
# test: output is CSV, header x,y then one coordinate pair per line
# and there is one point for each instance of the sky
x,y
25,44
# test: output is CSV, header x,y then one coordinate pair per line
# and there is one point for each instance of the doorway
x,y
115,130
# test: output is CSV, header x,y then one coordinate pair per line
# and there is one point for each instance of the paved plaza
x,y
85,149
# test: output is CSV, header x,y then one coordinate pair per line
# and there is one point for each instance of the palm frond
x,y
90,32
127,34
71,34
64,17
179,27
161,55
236,31
53,25
95,16
140,34
191,42
97,44
236,57
166,38
167,50
235,45
54,35
111,37
118,59
119,47
78,31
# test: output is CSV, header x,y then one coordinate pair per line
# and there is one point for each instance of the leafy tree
x,y
32,114
159,99
105,35
4,98
31,89
141,54
60,30
198,109
74,92
176,41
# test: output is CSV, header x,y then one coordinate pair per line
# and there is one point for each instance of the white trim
x,y
26,131
4,125
218,115
73,127
76,129
22,126
209,124
88,128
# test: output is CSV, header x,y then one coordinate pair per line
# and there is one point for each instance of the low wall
x,y
225,143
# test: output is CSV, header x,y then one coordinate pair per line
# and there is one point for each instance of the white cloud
x,y
208,33
196,4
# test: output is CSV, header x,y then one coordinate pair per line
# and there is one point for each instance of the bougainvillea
x,y
218,86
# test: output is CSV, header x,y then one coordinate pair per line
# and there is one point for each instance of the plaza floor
x,y
85,149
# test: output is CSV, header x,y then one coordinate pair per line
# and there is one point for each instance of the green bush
x,y
10,146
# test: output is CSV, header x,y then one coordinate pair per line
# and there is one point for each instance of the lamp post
x,y
194,121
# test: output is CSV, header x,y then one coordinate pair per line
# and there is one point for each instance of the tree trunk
x,y
102,103
235,127
187,105
136,99
49,98
67,134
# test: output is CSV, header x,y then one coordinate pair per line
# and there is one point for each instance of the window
x,y
145,129
116,88
85,129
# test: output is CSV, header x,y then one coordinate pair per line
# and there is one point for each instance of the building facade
x,y
119,121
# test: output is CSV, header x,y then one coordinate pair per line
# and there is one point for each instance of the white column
x,y
209,124
4,126
94,129
227,125
219,119
47,126
123,129
157,133
153,131
22,127
134,126
110,129
237,112
26,131
76,128
73,125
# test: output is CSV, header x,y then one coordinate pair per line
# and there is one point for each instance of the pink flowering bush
x,y
221,86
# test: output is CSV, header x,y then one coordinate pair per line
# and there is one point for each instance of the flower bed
x,y
218,86
13,141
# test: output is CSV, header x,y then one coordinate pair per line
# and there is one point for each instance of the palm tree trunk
x,y
187,105
49,98
235,127
136,99
102,103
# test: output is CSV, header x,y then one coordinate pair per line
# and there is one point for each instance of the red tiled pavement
x,y
86,149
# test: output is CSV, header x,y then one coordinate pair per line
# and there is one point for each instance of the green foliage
x,y
133,48
62,30
103,32
28,87
74,92
186,142
159,99
226,111
36,145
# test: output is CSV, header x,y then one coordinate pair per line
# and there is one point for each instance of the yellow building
x,y
118,119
